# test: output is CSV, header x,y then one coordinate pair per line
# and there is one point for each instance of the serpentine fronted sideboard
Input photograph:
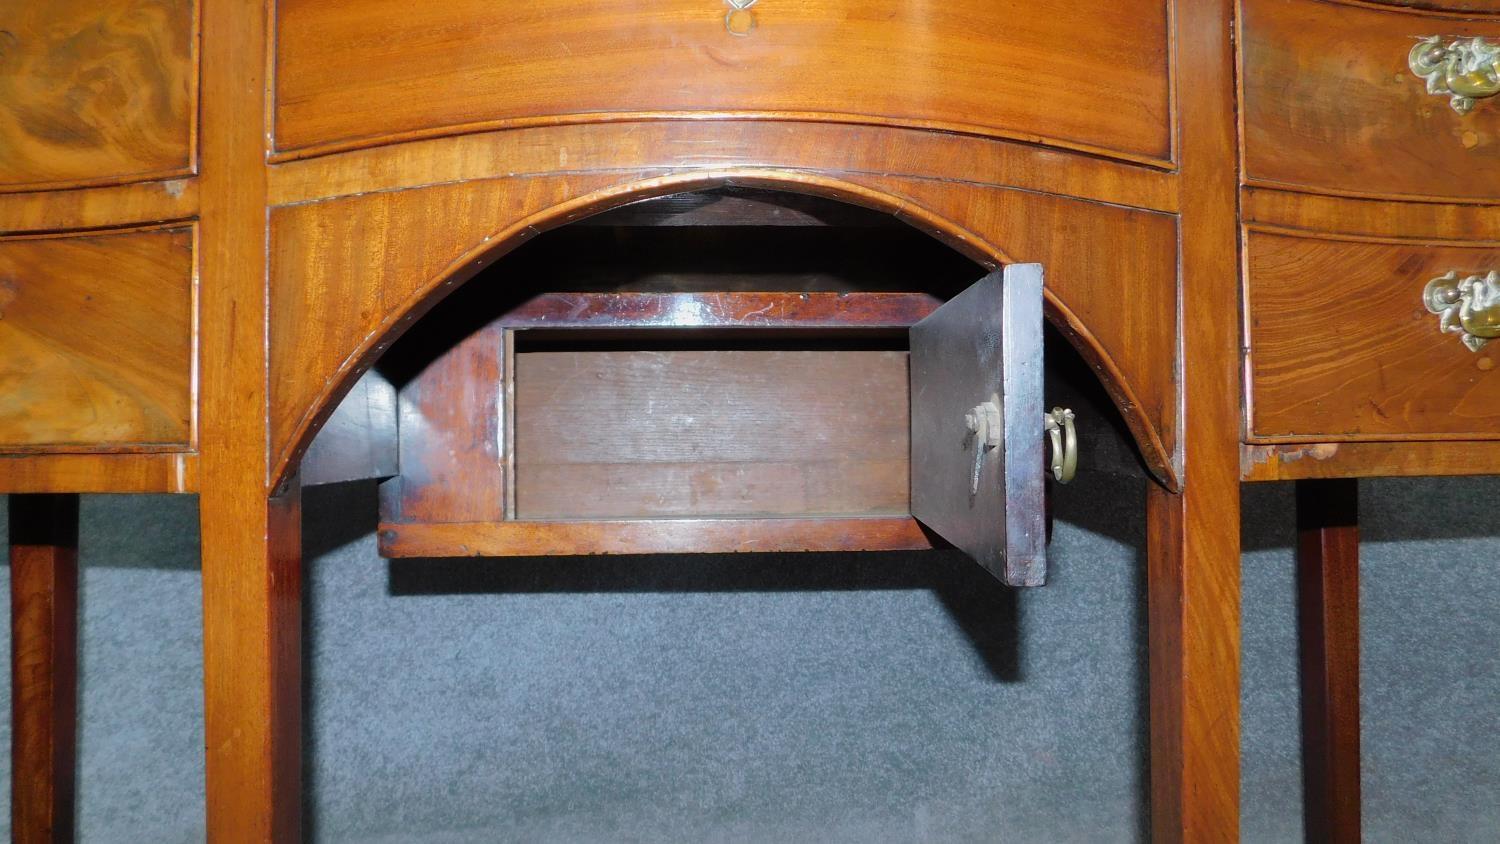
x,y
1269,227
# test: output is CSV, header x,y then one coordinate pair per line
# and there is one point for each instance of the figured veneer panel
x,y
361,74
96,341
1331,105
645,434
1342,347
96,91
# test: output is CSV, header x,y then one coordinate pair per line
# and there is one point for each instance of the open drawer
x,y
603,423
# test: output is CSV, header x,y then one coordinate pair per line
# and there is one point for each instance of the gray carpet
x,y
832,698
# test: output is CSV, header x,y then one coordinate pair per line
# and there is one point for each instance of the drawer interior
x,y
757,380
687,427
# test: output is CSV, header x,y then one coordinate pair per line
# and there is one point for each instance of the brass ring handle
x,y
1466,69
1468,306
1064,441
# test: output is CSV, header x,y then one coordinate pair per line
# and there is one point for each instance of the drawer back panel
x,y
360,74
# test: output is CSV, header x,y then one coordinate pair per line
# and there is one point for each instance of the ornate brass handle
x,y
1468,306
1467,69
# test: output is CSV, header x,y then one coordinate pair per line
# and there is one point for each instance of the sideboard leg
x,y
252,643
1328,628
44,665
1194,600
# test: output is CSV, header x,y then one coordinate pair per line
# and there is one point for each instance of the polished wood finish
x,y
654,536
1328,629
43,665
1331,106
1338,215
349,275
356,76
1342,348
652,434
1193,541
251,533
98,332
736,142
453,462
96,92
360,161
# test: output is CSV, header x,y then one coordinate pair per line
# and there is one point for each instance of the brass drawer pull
x,y
1063,437
1467,69
1467,306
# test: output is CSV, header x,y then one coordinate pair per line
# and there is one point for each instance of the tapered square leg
x,y
44,665
1328,628
252,651
1193,581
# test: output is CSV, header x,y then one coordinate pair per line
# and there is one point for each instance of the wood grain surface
x,y
355,75
96,92
44,665
611,435
1328,636
347,276
251,534
1341,346
1331,106
96,341
654,536
1295,461
1192,545
453,466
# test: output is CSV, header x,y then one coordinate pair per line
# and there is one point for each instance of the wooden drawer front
x,y
357,74
1343,347
95,91
96,340
1330,104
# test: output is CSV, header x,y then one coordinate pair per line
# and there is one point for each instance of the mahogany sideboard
x,y
1269,227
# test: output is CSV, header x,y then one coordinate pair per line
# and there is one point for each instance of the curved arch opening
x,y
624,368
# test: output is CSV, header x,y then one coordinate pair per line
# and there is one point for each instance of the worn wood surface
x,y
747,310
360,439
1331,106
97,331
349,76
1342,347
1193,546
654,536
43,666
638,434
1296,461
976,481
1328,635
453,464
96,92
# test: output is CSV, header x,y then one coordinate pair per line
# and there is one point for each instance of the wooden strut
x,y
1328,629
44,665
